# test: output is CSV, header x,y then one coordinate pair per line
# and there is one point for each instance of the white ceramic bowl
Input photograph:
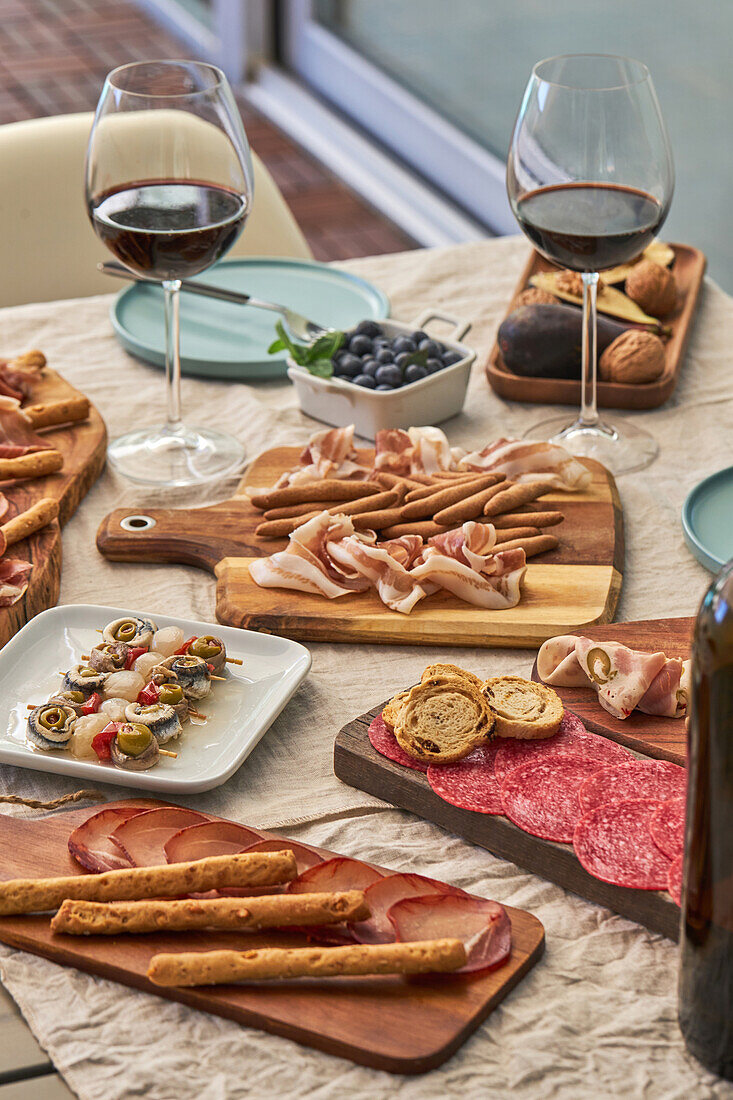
x,y
429,401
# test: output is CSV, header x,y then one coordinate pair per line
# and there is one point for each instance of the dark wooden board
x,y
567,589
84,447
689,268
358,764
664,738
390,1023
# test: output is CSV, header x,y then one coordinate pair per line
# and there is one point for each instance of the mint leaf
x,y
325,346
418,357
276,345
322,368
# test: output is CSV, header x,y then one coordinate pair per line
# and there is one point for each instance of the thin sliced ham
x,y
143,837
405,549
463,563
393,451
397,588
482,925
17,381
14,574
305,857
665,695
91,845
339,873
385,893
558,665
307,565
328,453
209,838
620,675
416,451
530,460
17,436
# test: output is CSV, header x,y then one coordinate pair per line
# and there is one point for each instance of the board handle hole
x,y
137,523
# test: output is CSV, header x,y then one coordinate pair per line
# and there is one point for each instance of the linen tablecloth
x,y
597,1016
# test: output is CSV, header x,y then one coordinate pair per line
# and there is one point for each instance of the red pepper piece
x,y
133,653
92,704
149,695
183,651
102,742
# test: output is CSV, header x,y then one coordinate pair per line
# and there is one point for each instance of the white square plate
x,y
239,711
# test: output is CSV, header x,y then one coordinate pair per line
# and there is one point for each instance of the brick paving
x,y
54,55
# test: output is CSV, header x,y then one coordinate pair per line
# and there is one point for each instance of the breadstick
x,y
444,483
94,918
426,528
469,508
391,481
537,519
329,489
281,528
457,475
30,361
512,534
292,511
35,895
444,498
509,499
376,521
36,464
27,523
540,544
217,967
58,412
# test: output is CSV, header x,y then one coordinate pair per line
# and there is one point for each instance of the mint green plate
x,y
223,340
707,520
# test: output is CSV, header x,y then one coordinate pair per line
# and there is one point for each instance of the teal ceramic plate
x,y
707,520
222,340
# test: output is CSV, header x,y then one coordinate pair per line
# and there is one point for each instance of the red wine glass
x,y
590,180
168,190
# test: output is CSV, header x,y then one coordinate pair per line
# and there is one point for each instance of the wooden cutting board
x,y
84,447
575,585
664,738
389,1023
689,268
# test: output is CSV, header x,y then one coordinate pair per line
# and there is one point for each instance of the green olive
x,y
133,738
171,694
75,696
52,719
126,631
188,662
599,666
86,673
205,647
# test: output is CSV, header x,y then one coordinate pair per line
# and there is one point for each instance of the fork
x,y
300,327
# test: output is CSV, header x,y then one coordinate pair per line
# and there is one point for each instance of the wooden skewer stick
x,y
234,661
197,713
164,752
218,677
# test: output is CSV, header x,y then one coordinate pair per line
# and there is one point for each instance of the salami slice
x,y
142,837
541,796
483,925
305,857
385,742
338,873
667,827
382,895
572,737
471,783
674,879
91,845
614,844
209,838
634,779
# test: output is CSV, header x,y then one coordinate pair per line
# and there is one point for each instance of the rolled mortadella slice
x,y
557,662
665,695
620,675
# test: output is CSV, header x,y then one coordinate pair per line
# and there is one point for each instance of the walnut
x,y
652,287
534,296
634,356
570,282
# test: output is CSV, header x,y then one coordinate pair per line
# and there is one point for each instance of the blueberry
x,y
368,328
391,388
430,346
369,366
366,380
415,372
403,359
360,345
349,366
403,343
417,336
451,357
432,366
389,375
384,355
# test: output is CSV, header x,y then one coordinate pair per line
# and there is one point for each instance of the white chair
x,y
49,249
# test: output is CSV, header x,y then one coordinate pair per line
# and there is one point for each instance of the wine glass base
x,y
173,458
620,449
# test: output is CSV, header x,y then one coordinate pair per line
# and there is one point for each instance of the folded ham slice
x,y
91,844
18,381
397,588
483,925
16,431
329,453
415,451
14,575
307,565
557,663
666,695
621,676
530,460
463,563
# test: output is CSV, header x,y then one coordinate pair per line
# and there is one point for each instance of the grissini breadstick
x,y
469,508
537,519
346,507
512,534
423,479
35,464
330,489
222,967
36,895
376,521
443,483
511,498
390,481
27,523
281,528
457,475
426,528
445,497
292,511
540,544
93,918
58,412
30,360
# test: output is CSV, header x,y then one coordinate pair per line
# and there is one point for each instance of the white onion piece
x,y
86,729
115,709
123,685
146,661
168,640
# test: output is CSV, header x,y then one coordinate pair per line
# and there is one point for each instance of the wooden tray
x,y
664,738
575,585
84,447
689,268
389,1023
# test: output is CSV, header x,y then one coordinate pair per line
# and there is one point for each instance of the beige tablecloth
x,y
597,1015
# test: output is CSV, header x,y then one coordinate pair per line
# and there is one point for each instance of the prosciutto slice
x,y
465,565
557,663
415,451
209,838
305,857
397,588
530,460
339,873
665,695
17,381
143,837
16,431
307,565
14,575
483,925
385,893
329,453
90,844
621,676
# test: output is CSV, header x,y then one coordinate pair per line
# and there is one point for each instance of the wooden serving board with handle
x,y
84,447
688,268
567,589
389,1023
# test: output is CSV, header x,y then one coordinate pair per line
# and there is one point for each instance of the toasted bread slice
x,y
393,707
523,709
441,723
442,673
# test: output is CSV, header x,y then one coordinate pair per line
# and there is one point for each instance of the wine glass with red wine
x,y
168,189
590,180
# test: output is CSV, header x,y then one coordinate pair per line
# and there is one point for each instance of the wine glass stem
x,y
172,289
589,369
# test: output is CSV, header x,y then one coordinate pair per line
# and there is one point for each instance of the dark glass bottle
x,y
706,950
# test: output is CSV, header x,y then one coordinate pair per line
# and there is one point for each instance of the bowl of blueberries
x,y
387,374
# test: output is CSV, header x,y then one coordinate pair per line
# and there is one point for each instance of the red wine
x,y
706,948
589,226
168,229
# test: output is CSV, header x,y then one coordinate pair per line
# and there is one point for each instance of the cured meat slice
x,y
557,663
667,827
396,587
463,562
471,783
305,857
382,895
143,837
656,779
90,844
384,741
620,675
674,879
339,873
14,575
209,838
614,844
530,460
666,695
483,925
572,737
541,796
